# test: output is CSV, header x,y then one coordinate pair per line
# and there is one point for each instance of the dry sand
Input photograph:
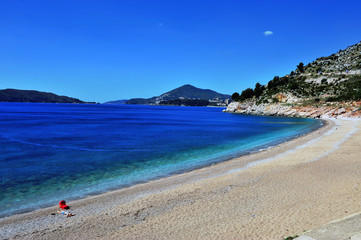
x,y
295,186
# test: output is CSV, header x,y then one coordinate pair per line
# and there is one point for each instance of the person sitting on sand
x,y
67,214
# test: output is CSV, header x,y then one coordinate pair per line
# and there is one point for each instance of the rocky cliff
x,y
327,87
334,78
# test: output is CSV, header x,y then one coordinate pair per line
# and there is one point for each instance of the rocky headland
x,y
343,110
329,87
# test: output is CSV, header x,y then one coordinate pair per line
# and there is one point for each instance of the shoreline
x,y
247,151
133,206
322,111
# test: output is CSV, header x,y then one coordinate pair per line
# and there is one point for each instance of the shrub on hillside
x,y
248,93
300,67
235,96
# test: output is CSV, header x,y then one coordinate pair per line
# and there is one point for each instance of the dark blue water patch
x,y
65,151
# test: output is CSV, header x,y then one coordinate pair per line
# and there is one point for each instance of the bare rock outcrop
x,y
353,110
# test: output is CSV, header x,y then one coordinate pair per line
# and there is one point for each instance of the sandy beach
x,y
279,192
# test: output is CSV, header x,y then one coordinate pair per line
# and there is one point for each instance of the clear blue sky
x,y
101,50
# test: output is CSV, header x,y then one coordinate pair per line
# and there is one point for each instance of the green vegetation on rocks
x,y
327,79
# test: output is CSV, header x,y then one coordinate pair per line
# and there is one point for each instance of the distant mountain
x,y
15,95
186,92
123,101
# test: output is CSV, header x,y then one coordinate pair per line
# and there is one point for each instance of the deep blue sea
x,y
50,152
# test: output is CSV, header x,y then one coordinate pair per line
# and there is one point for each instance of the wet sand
x,y
295,186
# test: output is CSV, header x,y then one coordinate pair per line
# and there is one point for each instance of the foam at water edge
x,y
332,130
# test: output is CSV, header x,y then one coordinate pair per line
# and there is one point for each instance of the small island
x,y
32,96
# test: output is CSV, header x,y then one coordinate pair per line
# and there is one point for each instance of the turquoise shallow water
x,y
51,152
